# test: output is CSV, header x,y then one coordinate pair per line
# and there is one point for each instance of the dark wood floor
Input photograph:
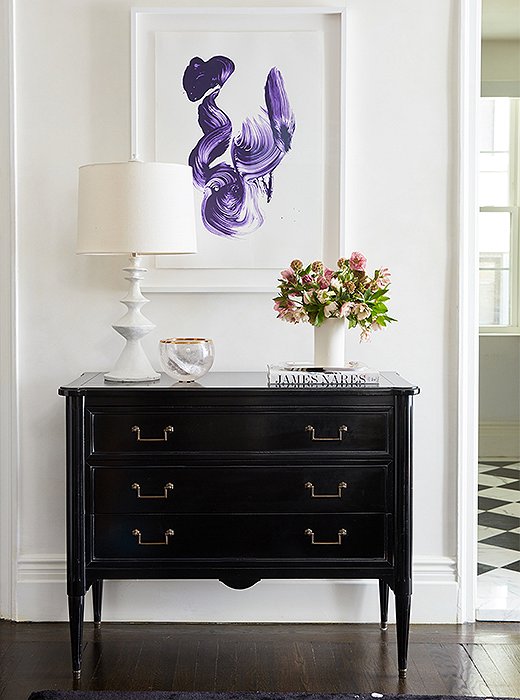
x,y
481,659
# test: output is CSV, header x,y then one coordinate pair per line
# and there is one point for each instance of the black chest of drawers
x,y
233,480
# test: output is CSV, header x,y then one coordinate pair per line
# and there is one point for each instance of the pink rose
x,y
383,279
306,279
323,282
357,261
283,306
328,274
288,275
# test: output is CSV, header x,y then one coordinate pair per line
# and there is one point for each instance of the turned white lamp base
x,y
133,365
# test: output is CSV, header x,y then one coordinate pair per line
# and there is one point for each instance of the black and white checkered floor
x,y
498,583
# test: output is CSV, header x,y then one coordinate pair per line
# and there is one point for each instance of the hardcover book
x,y
303,375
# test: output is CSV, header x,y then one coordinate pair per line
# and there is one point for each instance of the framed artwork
x,y
253,100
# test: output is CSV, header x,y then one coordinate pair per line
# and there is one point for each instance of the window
x,y
499,257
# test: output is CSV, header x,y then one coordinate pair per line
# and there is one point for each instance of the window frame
x,y
513,328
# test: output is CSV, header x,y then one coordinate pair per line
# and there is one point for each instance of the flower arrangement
x,y
314,293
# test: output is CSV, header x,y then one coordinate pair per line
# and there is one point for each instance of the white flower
x,y
365,335
361,311
335,283
330,309
323,296
346,309
295,316
301,316
307,298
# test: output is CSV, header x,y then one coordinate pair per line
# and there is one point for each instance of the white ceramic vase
x,y
329,343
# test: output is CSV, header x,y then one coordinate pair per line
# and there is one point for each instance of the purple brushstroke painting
x,y
231,191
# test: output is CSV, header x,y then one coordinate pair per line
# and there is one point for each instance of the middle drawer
x,y
240,489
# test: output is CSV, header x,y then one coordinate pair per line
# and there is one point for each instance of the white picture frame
x,y
153,28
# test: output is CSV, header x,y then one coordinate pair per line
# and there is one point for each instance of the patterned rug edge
x,y
167,695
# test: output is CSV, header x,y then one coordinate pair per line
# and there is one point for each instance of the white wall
x,y
73,97
500,379
501,68
500,60
499,403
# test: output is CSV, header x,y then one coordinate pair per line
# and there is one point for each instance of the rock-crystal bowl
x,y
186,359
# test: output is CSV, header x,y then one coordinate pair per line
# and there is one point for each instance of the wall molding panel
x,y
42,597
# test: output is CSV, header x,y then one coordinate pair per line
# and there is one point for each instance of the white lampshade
x,y
135,207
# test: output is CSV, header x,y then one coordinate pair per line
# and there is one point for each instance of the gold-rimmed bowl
x,y
186,359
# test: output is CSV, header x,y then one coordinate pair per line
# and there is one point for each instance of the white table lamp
x,y
136,209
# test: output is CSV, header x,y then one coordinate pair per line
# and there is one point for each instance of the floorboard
x,y
504,660
495,679
481,659
205,673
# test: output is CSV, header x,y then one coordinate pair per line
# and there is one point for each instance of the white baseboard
x,y
499,440
41,596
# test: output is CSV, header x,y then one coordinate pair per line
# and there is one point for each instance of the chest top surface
x,y
246,383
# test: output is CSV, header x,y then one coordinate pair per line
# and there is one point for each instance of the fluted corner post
x,y
76,540
403,526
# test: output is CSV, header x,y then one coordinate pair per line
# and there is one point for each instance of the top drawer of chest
x,y
364,429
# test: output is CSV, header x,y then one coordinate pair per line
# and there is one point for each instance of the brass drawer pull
x,y
342,485
167,487
168,429
342,429
167,535
341,534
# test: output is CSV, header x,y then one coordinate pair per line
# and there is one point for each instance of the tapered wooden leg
x,y
402,614
383,603
97,601
76,608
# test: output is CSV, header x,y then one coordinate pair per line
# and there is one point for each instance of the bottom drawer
x,y
295,536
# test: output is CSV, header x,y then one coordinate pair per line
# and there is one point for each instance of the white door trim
x,y
8,319
467,402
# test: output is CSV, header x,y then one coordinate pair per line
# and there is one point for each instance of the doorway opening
x,y
498,579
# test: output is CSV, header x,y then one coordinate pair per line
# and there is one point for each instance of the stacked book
x,y
293,374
